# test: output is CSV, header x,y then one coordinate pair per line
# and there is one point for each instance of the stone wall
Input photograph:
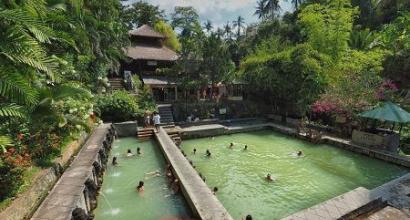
x,y
26,203
126,129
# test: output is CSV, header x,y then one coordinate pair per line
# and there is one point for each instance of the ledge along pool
x,y
118,197
321,173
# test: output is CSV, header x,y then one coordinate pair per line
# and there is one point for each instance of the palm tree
x,y
208,26
296,3
272,7
239,24
228,30
261,9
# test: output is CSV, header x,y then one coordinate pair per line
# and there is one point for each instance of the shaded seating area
x,y
385,139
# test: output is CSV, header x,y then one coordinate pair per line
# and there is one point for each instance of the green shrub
x,y
145,101
117,106
11,178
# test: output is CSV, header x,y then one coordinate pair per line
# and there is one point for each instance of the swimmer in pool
x,y
155,173
194,151
231,145
139,151
269,178
208,153
215,190
129,153
140,187
114,161
300,153
246,147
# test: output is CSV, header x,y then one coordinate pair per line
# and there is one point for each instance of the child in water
x,y
269,178
114,161
231,145
129,153
140,187
208,153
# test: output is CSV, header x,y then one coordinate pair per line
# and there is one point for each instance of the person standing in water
x,y
139,151
194,151
231,145
208,153
157,121
140,187
246,147
114,161
129,153
269,178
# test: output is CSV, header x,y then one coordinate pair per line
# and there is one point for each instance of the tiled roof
x,y
145,31
148,52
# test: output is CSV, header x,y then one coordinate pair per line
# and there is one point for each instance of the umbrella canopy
x,y
388,112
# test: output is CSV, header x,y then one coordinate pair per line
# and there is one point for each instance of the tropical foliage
x,y
52,55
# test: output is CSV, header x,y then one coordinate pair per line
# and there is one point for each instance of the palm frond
x,y
15,88
11,111
5,141
67,90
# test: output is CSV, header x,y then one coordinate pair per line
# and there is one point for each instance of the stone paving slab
x,y
335,207
68,189
388,213
53,212
57,199
197,193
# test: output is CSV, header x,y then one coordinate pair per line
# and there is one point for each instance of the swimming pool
x,y
322,173
118,198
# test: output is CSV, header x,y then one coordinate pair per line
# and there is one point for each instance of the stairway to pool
x,y
166,113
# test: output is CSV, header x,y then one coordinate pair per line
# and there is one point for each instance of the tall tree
x,y
141,13
228,30
208,26
186,19
261,11
296,3
273,8
328,26
239,25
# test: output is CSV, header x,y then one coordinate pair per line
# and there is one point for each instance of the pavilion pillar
x,y
176,93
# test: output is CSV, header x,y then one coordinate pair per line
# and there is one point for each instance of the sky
x,y
217,11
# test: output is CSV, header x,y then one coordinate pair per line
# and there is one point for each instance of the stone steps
x,y
116,83
166,113
145,133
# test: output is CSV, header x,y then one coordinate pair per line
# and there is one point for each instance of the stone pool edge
x,y
74,194
200,198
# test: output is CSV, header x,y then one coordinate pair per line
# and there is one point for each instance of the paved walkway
x,y
198,194
394,192
67,193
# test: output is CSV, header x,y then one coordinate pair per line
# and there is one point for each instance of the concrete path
x,y
197,193
394,193
67,193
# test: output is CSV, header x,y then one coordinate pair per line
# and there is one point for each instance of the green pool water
x,y
324,172
118,198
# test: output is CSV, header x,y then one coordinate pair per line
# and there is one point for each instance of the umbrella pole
x,y
401,126
394,124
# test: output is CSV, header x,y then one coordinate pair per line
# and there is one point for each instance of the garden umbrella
x,y
388,112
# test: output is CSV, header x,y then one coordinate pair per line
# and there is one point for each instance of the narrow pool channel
x,y
321,173
118,197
